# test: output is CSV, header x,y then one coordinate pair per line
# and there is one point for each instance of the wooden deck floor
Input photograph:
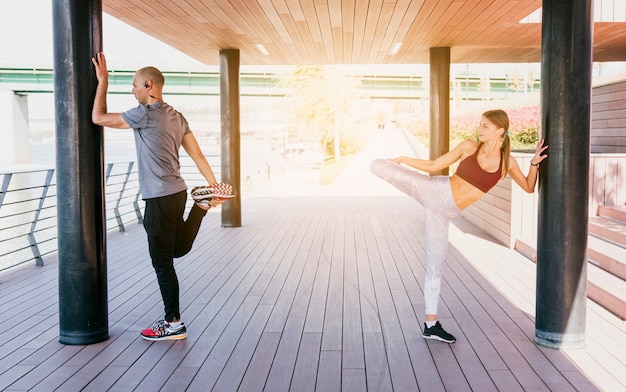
x,y
310,294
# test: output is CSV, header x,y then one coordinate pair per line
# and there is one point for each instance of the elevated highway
x,y
468,87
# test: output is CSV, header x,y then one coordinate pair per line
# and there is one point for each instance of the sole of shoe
x,y
438,338
215,195
173,337
204,194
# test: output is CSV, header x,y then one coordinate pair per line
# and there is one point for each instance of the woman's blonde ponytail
x,y
501,120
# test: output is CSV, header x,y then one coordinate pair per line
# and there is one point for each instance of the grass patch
x,y
331,170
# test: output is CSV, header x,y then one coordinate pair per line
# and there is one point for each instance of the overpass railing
x,y
28,213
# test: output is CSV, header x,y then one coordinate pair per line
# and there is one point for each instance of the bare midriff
x,y
463,192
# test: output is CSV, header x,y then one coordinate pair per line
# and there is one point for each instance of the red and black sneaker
x,y
163,330
205,193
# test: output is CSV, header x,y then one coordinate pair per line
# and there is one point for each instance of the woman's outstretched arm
x,y
444,161
528,182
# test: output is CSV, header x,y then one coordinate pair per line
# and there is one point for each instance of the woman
x,y
483,164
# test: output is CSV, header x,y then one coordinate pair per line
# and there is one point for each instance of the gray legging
x,y
435,195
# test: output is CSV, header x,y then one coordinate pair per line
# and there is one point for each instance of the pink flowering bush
x,y
523,127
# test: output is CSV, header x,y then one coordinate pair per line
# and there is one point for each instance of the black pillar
x,y
566,65
439,141
230,134
83,310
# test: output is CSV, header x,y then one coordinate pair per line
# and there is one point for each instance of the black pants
x,y
170,236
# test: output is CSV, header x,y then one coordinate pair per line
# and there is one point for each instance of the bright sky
x,y
26,31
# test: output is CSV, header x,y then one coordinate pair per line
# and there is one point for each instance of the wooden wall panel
x,y
509,214
492,213
608,118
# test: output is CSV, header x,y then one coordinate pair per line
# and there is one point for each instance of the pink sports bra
x,y
470,171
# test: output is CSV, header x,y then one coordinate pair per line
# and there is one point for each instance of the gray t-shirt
x,y
159,131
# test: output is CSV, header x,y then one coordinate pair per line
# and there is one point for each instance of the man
x,y
159,132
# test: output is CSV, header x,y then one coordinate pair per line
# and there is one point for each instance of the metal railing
x,y
28,214
122,192
27,223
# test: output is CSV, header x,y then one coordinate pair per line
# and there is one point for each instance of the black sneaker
x,y
163,330
436,332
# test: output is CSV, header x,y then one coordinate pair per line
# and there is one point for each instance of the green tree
x,y
318,99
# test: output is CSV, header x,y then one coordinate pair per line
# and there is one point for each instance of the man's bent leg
x,y
188,230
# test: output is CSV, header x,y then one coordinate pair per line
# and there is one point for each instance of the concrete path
x,y
357,179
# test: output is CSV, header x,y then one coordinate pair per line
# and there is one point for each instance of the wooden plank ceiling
x,y
355,31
